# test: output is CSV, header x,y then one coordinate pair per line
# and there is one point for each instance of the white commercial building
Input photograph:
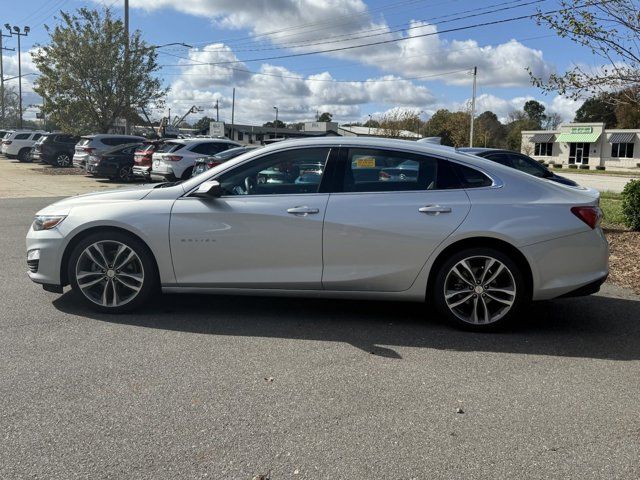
x,y
584,144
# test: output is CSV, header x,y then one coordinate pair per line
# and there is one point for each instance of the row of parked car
x,y
130,157
121,157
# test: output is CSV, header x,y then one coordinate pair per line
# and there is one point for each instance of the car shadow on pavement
x,y
592,327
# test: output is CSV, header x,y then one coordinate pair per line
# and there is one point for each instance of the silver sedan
x,y
473,238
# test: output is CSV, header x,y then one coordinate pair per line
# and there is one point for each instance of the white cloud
x,y
296,23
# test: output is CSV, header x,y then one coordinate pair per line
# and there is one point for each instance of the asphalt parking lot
x,y
234,387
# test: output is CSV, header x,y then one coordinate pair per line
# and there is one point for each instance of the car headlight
x,y
47,222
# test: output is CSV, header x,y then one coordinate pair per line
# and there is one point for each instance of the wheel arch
x,y
488,242
78,237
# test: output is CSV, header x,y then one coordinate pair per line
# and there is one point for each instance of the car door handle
x,y
434,209
302,210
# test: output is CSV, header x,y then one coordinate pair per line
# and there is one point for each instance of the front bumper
x,y
568,265
50,244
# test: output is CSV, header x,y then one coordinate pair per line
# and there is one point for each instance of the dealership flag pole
x,y
473,104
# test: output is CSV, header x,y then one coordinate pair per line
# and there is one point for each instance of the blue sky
x,y
424,73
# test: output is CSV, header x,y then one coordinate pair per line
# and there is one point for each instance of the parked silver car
x,y
474,238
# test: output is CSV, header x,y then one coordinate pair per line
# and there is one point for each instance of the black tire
x,y
125,173
23,155
63,160
186,175
147,287
492,302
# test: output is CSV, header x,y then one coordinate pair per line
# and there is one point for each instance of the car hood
x,y
109,196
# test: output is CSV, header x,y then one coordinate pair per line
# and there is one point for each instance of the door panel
x,y
380,241
248,241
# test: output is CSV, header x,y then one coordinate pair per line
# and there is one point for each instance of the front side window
x,y
543,149
288,172
374,170
622,150
21,136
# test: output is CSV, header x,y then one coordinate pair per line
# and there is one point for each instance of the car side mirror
x,y
209,189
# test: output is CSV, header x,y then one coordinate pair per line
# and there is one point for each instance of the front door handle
x,y
434,209
302,210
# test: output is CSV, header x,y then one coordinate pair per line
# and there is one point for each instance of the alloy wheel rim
x,y
109,273
125,172
63,160
480,290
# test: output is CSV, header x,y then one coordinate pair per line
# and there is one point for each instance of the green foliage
x,y
631,204
325,117
281,124
597,109
515,128
535,112
90,72
202,124
611,205
452,127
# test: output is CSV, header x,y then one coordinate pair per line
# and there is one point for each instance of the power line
x,y
475,12
394,40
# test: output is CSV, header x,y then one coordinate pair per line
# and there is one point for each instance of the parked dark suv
x,y
56,149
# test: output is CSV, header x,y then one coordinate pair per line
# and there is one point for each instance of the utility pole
x,y
19,33
275,132
473,104
217,111
2,35
127,125
233,113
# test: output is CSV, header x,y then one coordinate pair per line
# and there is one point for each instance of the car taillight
x,y
384,176
88,150
589,215
213,164
174,158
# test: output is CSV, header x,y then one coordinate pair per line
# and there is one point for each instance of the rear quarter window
x,y
472,178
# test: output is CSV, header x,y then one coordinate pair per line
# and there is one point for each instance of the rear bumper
x,y
79,161
569,266
142,172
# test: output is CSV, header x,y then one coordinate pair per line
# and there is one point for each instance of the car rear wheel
x,y
480,289
125,174
112,272
23,155
63,160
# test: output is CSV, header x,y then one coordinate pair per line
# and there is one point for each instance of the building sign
x,y
581,130
216,129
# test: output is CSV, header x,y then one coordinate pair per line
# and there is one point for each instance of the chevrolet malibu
x,y
473,238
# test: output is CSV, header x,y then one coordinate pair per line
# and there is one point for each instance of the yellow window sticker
x,y
366,162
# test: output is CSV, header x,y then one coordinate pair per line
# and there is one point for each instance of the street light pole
x,y
19,33
2,35
275,133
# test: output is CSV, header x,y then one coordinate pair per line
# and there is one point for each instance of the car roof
x,y
110,135
201,140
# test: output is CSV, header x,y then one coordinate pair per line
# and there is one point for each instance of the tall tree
x,y
11,107
598,109
91,74
325,117
535,112
490,132
611,30
451,127
202,124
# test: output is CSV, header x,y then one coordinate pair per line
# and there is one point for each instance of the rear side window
x,y
472,178
66,139
21,136
374,170
36,136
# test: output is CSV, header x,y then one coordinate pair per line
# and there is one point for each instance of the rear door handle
x,y
434,209
302,210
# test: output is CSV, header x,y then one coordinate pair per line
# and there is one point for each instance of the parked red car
x,y
142,159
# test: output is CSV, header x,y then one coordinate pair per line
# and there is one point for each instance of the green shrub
x,y
584,167
631,204
557,165
600,167
541,162
573,165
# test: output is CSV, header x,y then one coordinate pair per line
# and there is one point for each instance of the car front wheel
x,y
112,272
480,289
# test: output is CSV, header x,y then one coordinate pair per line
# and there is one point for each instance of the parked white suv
x,y
18,144
176,158
96,144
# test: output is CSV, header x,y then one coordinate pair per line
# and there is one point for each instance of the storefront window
x,y
543,149
622,150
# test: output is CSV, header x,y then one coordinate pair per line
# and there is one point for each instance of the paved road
x,y
604,183
354,390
